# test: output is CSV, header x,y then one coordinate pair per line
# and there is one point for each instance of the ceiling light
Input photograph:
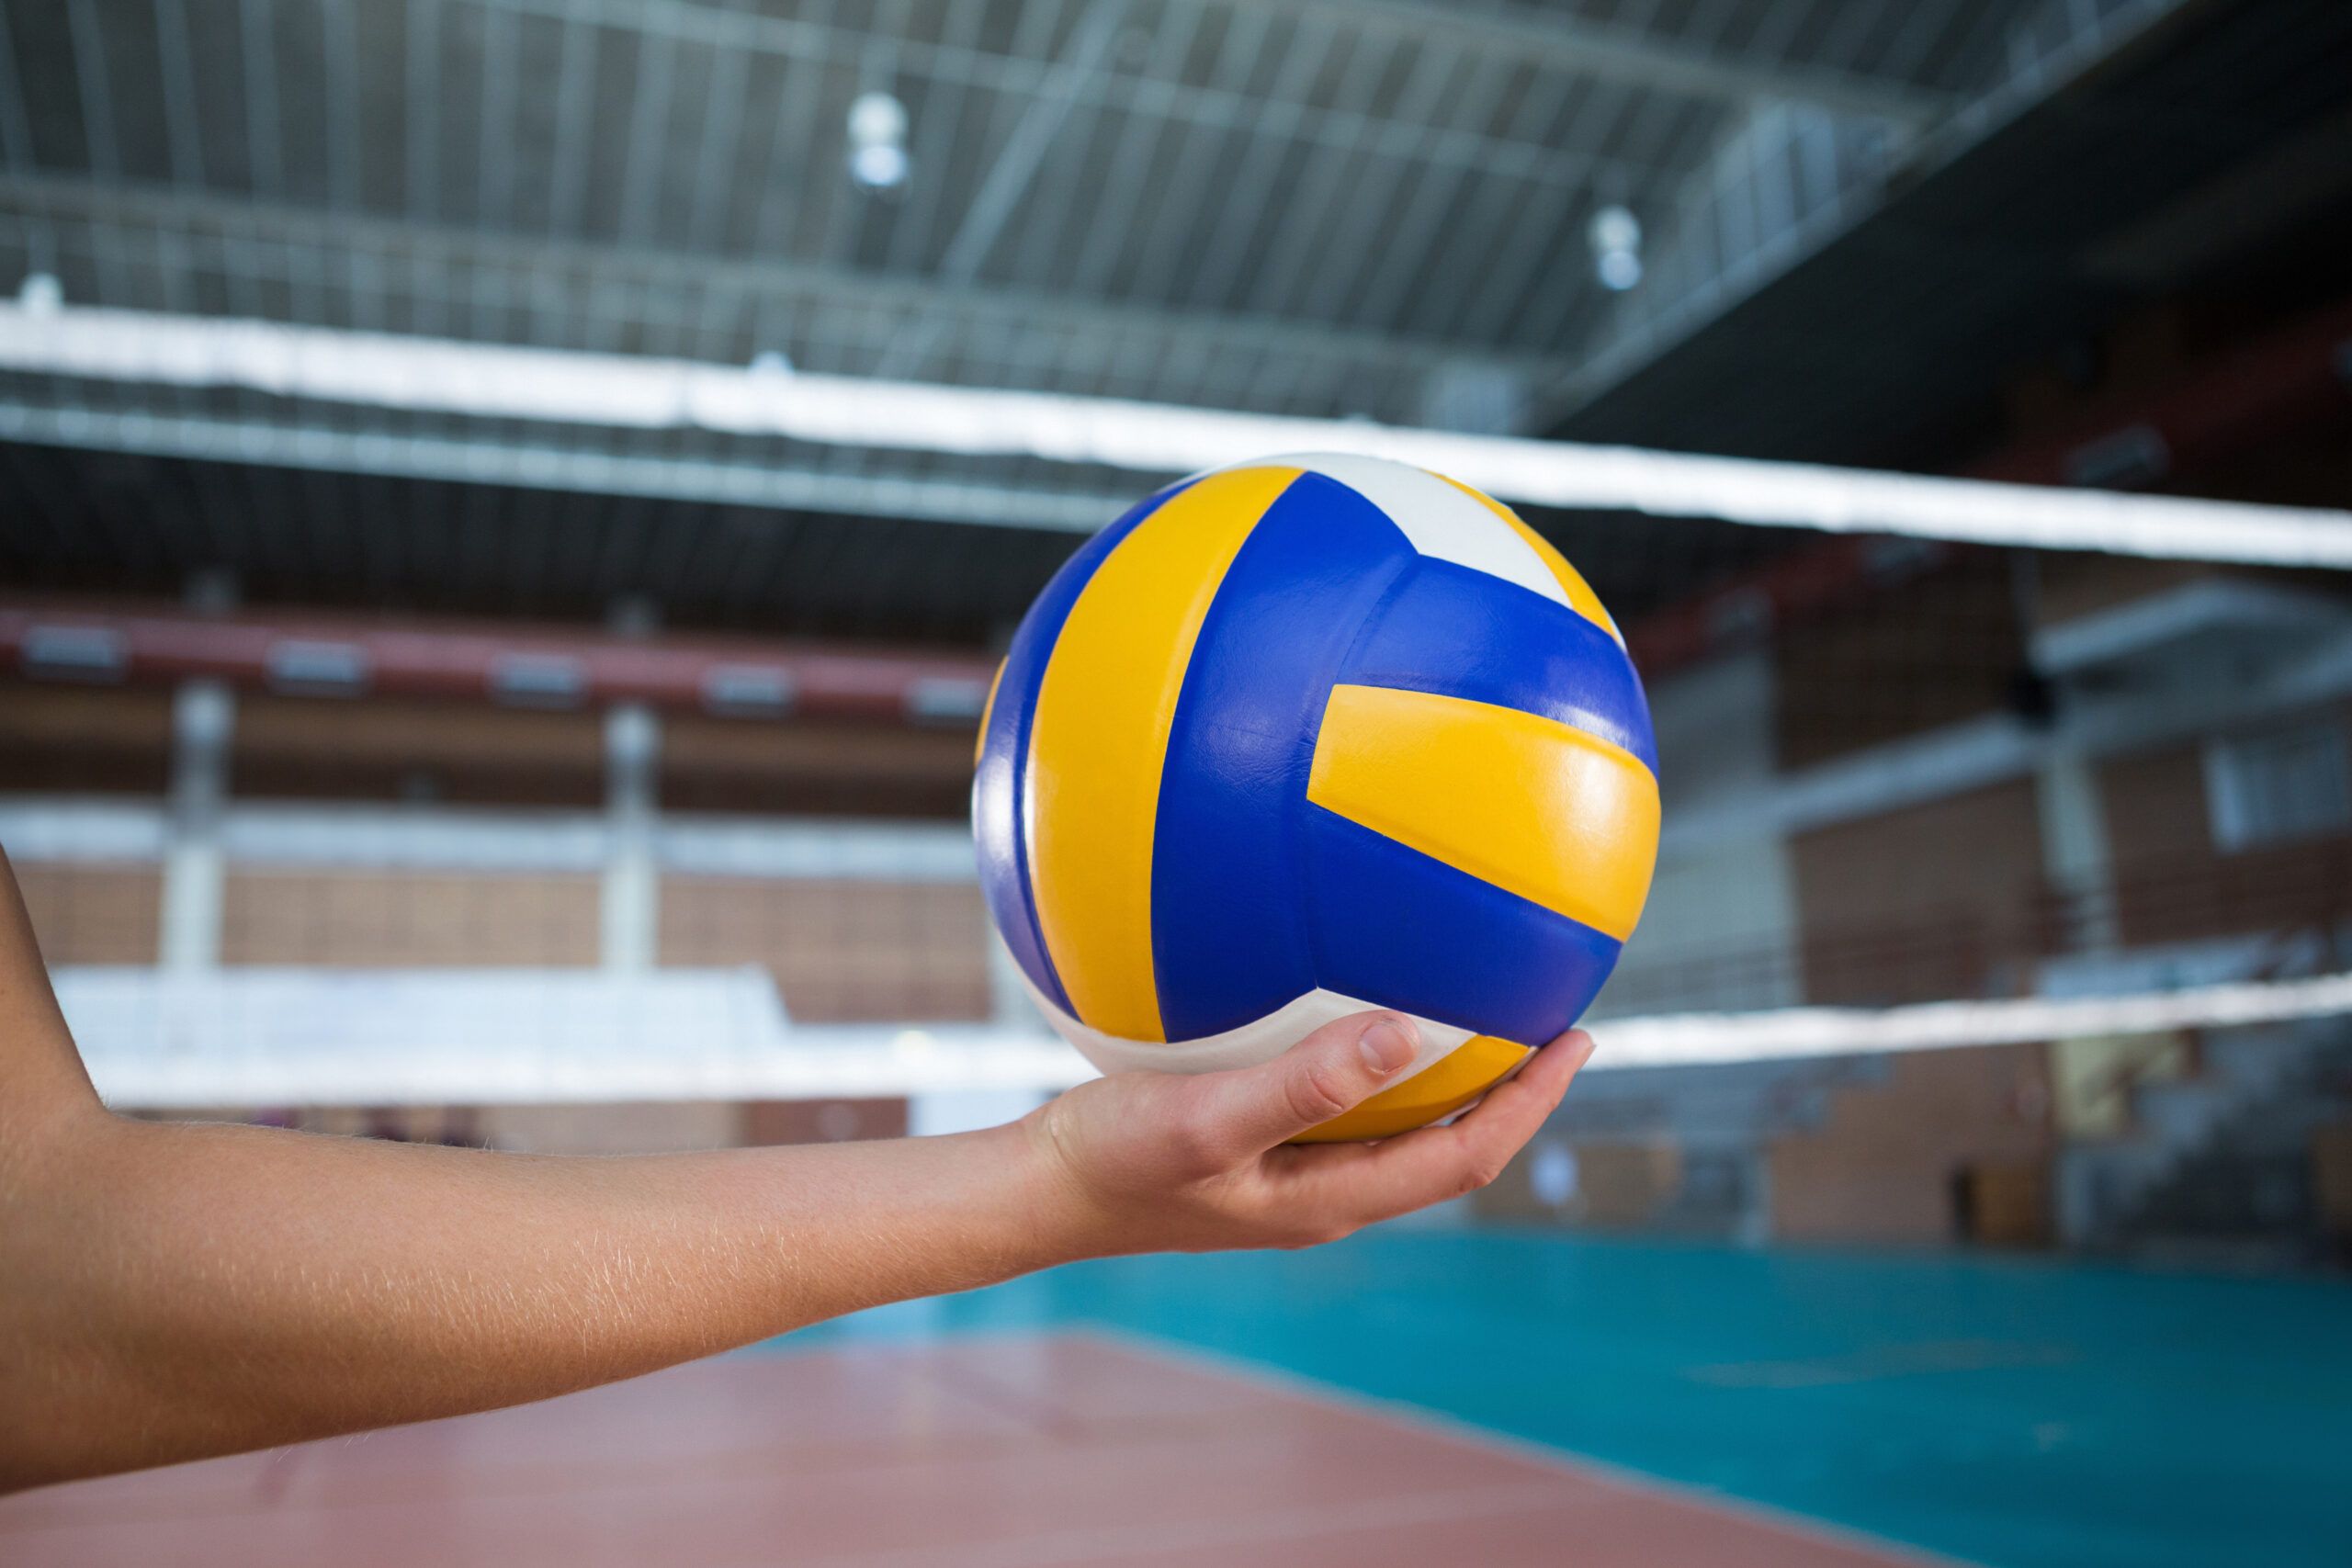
x,y
1614,228
1615,235
878,167
878,142
40,294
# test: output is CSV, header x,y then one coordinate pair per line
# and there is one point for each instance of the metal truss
x,y
1320,209
1792,177
152,247
1649,60
581,469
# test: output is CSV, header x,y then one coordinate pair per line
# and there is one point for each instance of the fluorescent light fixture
x,y
492,381
752,691
323,668
538,680
75,654
946,699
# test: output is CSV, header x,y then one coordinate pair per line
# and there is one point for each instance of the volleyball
x,y
1307,736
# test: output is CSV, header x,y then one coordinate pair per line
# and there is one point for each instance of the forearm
x,y
172,1292
192,1289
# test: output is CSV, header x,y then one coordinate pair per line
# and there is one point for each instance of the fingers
x,y
1339,1066
1437,1163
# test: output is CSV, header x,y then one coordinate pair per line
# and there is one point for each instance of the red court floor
x,y
975,1453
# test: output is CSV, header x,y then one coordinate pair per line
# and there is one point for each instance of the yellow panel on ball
x,y
1437,1092
1102,718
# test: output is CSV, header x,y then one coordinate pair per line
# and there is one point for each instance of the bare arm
x,y
169,1292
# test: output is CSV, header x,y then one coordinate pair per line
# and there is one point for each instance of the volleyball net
x,y
1946,760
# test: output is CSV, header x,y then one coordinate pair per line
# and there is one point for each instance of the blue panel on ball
x,y
999,810
1399,930
1456,632
1227,922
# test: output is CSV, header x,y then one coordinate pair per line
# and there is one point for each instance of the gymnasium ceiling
x,y
1374,208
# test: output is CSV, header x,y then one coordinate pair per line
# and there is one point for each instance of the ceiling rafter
x,y
1115,85
1634,55
263,446
277,231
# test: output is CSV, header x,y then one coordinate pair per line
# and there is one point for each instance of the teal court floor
x,y
2020,1411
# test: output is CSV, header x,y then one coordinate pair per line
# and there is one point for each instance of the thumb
x,y
1334,1069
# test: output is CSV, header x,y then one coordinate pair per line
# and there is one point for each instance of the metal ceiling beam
x,y
1728,242
280,229
1634,55
1008,180
1209,106
1785,182
549,465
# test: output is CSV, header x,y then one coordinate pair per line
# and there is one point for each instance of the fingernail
x,y
1386,1045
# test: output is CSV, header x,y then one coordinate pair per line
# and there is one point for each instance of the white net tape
x,y
285,1036
491,381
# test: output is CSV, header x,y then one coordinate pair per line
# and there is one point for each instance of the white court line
x,y
489,380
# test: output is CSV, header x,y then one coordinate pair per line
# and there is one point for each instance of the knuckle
x,y
1478,1170
1316,1093
1314,1233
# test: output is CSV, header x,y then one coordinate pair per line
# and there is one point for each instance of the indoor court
x,y
637,640
1690,1404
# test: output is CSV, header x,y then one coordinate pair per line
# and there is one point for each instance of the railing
x,y
848,941
2305,885
2294,903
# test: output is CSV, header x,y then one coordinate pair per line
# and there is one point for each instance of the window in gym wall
x,y
2279,784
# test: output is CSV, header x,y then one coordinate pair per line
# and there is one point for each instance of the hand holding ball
x,y
1304,737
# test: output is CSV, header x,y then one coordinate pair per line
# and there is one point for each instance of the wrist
x,y
1068,1220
